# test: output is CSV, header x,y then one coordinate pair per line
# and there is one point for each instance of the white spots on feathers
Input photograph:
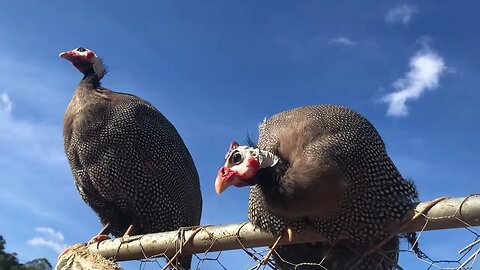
x,y
131,166
375,192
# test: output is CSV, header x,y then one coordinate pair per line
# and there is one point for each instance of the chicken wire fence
x,y
446,238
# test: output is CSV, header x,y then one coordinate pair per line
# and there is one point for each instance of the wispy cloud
x,y
31,148
31,140
342,41
5,104
400,14
26,146
32,102
51,232
51,239
426,67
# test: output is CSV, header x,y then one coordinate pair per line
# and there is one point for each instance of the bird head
x,y
241,165
85,60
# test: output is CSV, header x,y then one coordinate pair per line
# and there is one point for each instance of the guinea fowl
x,y
322,166
129,163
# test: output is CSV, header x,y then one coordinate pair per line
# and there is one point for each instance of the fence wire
x,y
452,249
444,248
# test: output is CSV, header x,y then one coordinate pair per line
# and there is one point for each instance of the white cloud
x,y
31,145
51,232
400,14
426,67
5,104
52,239
34,141
342,41
42,242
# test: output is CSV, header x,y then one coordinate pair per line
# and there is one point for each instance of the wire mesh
x,y
459,256
442,248
453,249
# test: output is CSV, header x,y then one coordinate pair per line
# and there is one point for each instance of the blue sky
x,y
216,69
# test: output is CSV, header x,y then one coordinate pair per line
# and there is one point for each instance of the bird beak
x,y
221,184
69,55
225,178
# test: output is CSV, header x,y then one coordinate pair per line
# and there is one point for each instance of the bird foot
x,y
125,238
128,231
98,238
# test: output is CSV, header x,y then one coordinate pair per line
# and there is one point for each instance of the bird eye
x,y
81,49
236,158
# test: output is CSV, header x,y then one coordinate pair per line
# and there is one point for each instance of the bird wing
x,y
165,160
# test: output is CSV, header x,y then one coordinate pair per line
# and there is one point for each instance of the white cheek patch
x,y
98,66
240,168
90,56
264,158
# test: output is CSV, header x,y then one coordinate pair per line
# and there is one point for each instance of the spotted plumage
x,y
129,163
333,174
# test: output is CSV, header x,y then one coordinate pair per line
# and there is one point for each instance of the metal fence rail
x,y
438,214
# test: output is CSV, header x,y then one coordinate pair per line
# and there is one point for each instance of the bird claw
x,y
98,238
125,238
290,234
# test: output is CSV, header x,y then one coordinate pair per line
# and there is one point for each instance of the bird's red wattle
x,y
254,164
253,167
226,173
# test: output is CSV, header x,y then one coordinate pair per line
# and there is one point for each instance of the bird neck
x,y
270,179
90,80
277,189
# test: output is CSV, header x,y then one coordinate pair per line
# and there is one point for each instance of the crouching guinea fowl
x,y
128,161
326,167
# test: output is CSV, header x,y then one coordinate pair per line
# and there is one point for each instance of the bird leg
x,y
272,248
190,238
128,232
102,235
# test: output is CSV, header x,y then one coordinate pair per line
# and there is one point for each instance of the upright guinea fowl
x,y
129,163
323,166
